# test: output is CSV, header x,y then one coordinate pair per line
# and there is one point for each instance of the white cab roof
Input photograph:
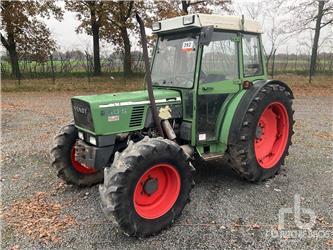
x,y
219,22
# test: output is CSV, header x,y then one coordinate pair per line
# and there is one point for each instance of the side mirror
x,y
206,35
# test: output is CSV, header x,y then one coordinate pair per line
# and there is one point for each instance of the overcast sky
x,y
67,38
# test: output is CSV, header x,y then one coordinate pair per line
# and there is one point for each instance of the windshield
x,y
174,62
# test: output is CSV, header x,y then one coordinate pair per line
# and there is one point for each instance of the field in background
x,y
321,85
74,64
107,83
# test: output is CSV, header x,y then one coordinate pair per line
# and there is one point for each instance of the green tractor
x,y
207,98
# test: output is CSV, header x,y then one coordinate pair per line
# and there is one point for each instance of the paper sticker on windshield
x,y
188,46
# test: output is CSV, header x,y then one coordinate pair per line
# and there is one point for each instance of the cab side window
x,y
220,58
251,55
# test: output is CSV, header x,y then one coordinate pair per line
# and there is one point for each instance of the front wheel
x,y
67,167
263,140
147,186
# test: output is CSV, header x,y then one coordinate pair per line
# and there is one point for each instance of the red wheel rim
x,y
79,167
271,135
156,191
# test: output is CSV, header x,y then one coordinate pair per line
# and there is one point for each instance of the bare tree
x,y
310,15
320,23
275,35
251,9
269,14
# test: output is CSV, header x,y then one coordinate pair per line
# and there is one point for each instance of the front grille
x,y
82,114
136,117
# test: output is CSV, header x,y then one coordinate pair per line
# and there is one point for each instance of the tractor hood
x,y
117,112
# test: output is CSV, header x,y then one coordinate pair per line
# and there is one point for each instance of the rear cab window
x,y
252,59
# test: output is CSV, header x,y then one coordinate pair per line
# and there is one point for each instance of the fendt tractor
x,y
207,97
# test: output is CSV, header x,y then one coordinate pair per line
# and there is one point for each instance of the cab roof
x,y
235,23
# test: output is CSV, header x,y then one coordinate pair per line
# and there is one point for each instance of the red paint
x,y
161,201
270,145
79,167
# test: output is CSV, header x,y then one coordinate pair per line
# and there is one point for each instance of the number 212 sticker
x,y
188,46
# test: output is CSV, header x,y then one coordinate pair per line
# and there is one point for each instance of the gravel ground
x,y
224,212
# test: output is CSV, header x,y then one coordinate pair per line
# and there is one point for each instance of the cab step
x,y
211,156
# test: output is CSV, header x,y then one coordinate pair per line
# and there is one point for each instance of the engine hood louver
x,y
137,116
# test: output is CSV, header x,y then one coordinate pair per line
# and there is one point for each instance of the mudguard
x,y
238,107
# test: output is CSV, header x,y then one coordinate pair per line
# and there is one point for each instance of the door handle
x,y
207,88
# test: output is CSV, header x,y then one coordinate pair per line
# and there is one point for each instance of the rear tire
x,y
69,170
265,134
141,211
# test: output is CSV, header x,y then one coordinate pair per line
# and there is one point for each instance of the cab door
x,y
219,77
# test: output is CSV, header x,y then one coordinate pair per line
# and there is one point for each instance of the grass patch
x,y
320,84
95,84
303,81
60,75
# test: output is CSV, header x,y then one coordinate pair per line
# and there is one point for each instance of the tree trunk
x,y
88,65
14,57
10,46
52,69
316,39
127,52
185,5
15,63
95,32
97,60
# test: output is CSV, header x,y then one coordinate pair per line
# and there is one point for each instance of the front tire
x,y
68,169
147,186
263,141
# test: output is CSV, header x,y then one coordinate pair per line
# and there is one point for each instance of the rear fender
x,y
237,109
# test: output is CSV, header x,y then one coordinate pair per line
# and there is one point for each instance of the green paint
x,y
195,92
222,113
263,58
220,87
200,149
240,58
229,116
133,96
111,113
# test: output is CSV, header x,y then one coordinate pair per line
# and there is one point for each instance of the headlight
x,y
92,140
156,26
81,135
188,20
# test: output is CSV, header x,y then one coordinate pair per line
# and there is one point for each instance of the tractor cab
x,y
207,58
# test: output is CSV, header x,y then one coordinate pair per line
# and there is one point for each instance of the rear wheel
x,y
67,167
271,135
147,186
265,134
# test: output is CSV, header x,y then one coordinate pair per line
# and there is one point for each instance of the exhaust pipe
x,y
148,75
168,130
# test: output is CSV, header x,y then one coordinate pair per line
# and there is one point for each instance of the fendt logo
x,y
81,110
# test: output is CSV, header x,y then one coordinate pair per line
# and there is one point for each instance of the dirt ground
x,y
38,211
